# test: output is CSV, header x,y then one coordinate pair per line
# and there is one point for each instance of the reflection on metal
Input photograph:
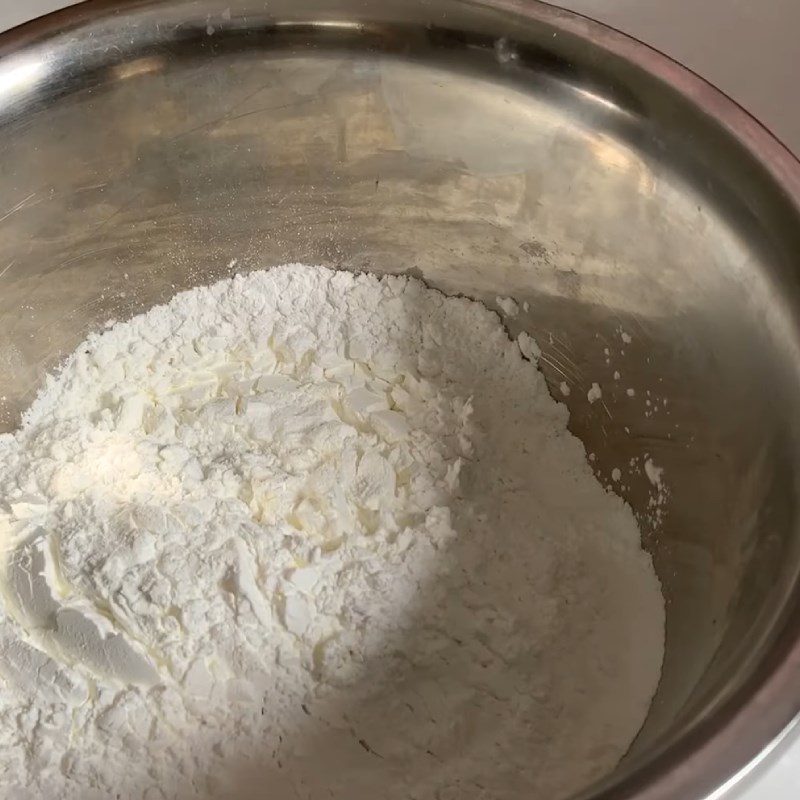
x,y
139,66
20,74
497,147
594,97
320,24
615,155
732,788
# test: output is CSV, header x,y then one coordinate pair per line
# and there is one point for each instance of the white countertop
x,y
711,37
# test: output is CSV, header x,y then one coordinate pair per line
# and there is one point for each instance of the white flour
x,y
302,534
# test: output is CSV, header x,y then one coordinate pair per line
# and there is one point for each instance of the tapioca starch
x,y
310,534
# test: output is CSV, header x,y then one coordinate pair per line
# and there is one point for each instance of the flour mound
x,y
306,534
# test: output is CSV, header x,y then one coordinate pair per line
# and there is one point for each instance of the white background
x,y
748,48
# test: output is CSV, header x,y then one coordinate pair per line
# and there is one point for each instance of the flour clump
x,y
317,535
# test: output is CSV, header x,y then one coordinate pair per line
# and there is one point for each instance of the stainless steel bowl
x,y
496,147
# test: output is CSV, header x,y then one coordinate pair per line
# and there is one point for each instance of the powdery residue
x,y
508,306
595,393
